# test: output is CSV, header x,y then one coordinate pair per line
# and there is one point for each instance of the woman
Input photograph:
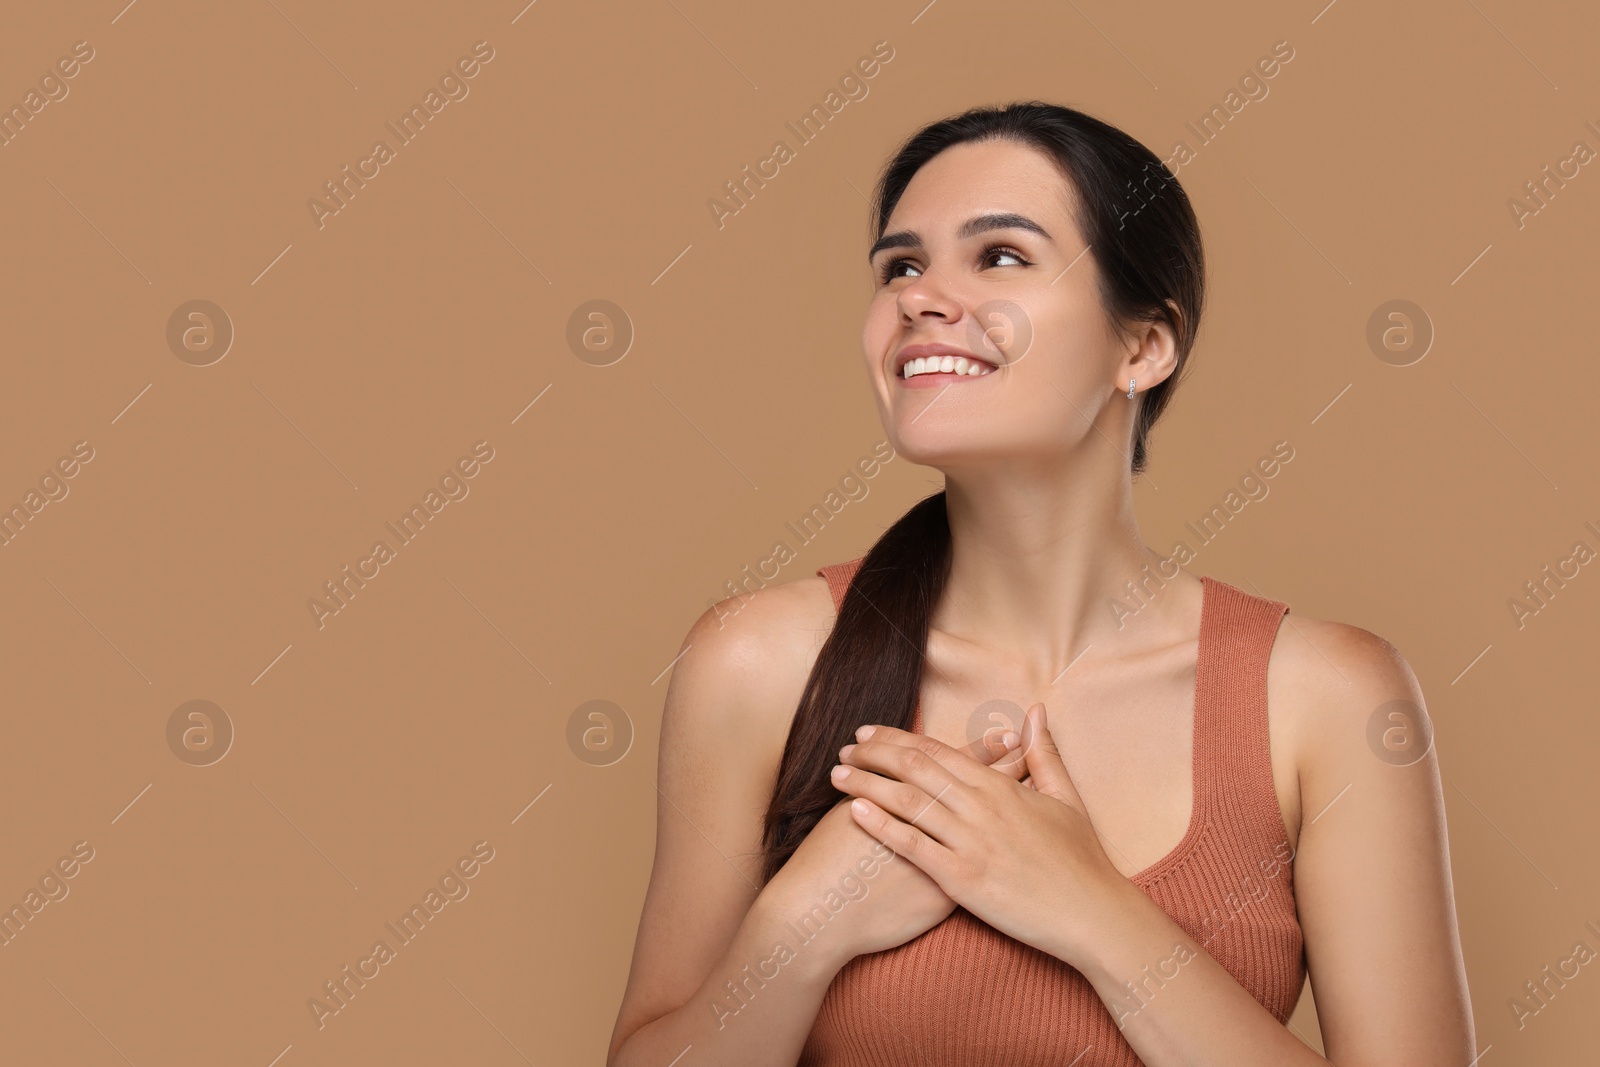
x,y
1193,811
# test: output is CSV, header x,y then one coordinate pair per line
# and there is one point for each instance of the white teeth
x,y
945,365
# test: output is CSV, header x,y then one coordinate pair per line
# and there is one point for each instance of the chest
x,y
1126,735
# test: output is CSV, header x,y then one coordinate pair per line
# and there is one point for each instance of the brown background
x,y
370,354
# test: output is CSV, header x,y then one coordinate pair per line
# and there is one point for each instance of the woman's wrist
x,y
795,941
1095,933
1132,935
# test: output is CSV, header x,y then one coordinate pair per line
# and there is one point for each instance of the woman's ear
x,y
1153,354
1177,317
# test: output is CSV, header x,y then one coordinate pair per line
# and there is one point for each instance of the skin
x,y
1039,841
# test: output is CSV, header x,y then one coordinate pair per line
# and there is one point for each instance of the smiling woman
x,y
1058,866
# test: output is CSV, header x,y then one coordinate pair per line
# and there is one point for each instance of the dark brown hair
x,y
1142,232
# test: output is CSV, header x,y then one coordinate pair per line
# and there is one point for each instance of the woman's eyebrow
x,y
971,228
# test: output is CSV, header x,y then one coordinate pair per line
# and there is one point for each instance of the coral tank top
x,y
963,993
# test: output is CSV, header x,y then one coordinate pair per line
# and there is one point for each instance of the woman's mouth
x,y
941,368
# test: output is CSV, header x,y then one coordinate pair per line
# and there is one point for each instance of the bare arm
x,y
705,973
756,1006
1372,876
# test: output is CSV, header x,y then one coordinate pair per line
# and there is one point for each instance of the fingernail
x,y
840,772
865,732
844,752
1009,739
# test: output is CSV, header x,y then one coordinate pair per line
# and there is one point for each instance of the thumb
x,y
1045,765
992,749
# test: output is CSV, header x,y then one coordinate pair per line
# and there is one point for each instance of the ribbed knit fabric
x,y
963,994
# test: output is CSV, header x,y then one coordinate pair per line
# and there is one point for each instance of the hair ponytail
x,y
868,671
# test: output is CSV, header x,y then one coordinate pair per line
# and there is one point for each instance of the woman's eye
x,y
891,269
1004,253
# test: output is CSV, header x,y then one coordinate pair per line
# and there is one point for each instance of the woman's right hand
x,y
886,899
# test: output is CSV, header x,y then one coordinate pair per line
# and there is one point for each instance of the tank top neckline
x,y
1198,765
974,995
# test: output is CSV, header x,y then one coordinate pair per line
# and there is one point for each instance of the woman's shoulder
x,y
781,619
750,655
1349,694
1337,667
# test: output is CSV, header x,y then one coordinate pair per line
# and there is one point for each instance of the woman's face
x,y
984,259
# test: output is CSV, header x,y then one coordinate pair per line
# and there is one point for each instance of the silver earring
x,y
1130,388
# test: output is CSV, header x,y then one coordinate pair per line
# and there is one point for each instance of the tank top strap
x,y
1232,756
838,576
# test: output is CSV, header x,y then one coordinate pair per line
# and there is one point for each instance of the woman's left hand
x,y
1024,860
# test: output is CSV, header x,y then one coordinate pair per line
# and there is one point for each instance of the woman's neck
x,y
1040,564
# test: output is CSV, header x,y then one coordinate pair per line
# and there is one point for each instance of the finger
x,y
888,746
1008,758
1045,765
965,765
915,764
905,802
999,750
907,841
